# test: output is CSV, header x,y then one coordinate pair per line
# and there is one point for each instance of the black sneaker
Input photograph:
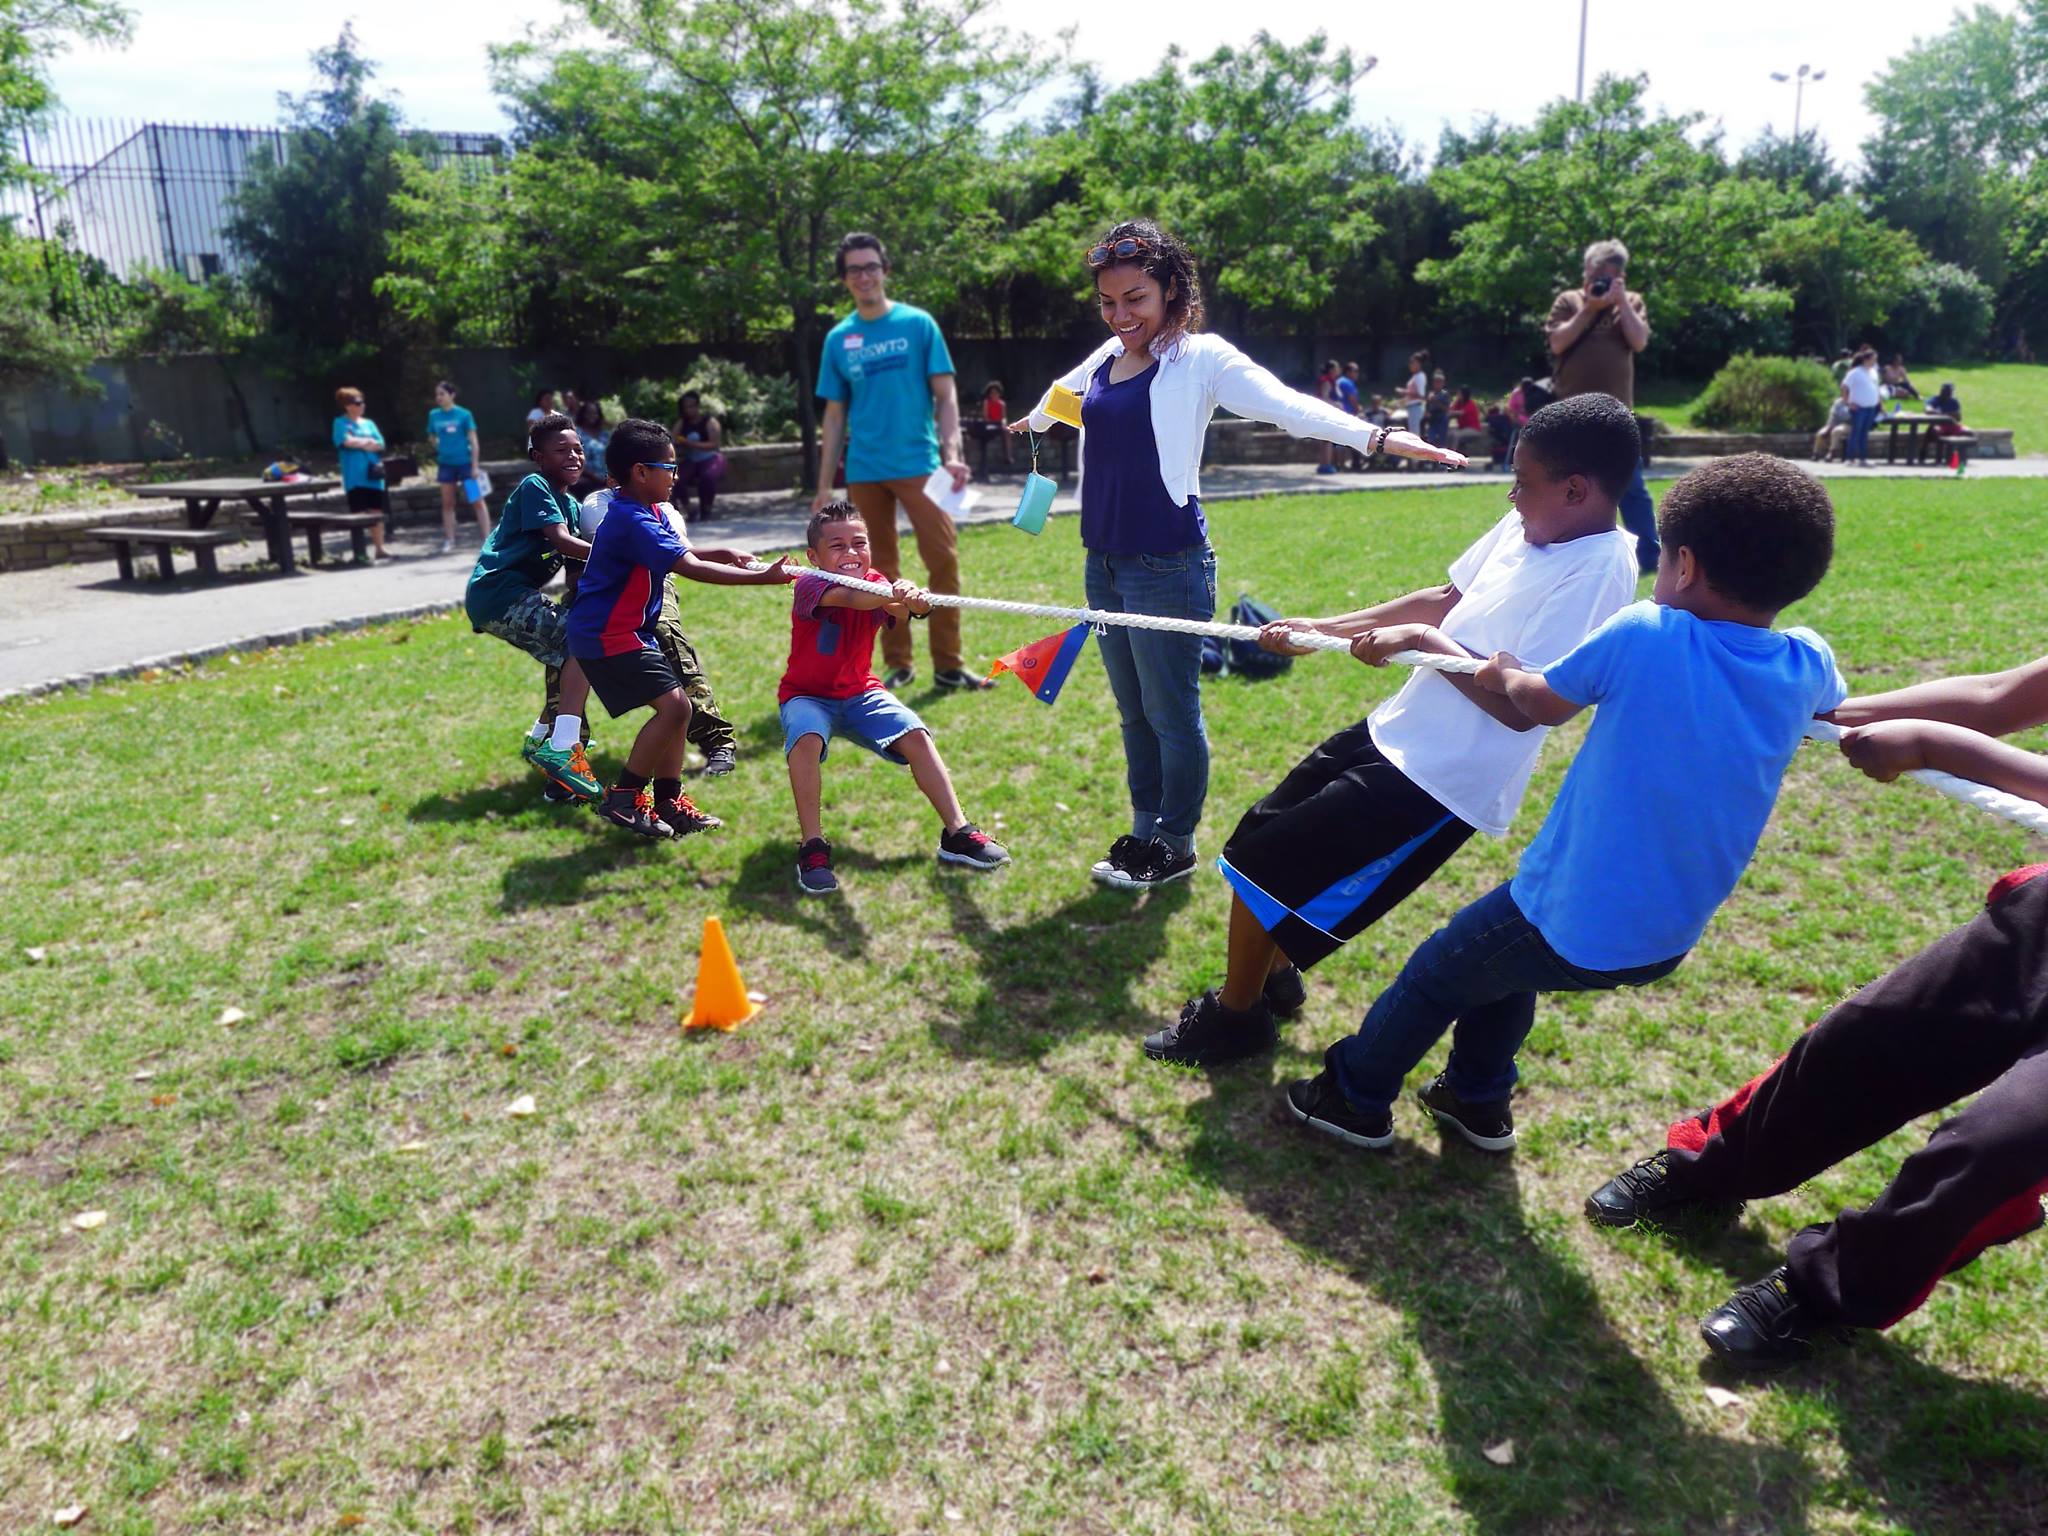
x,y
961,680
1207,1034
896,679
1643,1193
814,875
719,761
556,794
1118,859
973,847
633,809
1763,1323
1153,864
1318,1103
1285,992
1489,1127
683,817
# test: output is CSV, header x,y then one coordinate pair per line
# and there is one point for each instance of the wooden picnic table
x,y
266,498
1911,422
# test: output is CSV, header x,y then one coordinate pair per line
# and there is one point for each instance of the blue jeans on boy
x,y
1157,681
1639,517
1861,418
1482,969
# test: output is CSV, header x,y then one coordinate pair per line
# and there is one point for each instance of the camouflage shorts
x,y
537,626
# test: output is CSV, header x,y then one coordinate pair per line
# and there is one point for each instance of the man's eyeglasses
x,y
863,269
1119,250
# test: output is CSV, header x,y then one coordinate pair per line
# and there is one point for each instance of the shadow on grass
x,y
565,877
765,887
1067,973
498,800
1521,1349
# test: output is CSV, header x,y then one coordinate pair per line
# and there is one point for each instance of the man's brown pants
x,y
938,545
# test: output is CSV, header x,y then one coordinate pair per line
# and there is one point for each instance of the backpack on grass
x,y
1244,657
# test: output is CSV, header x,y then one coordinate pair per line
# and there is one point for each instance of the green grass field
x,y
928,1245
1993,394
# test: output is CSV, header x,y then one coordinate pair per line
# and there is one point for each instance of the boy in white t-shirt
x,y
1371,813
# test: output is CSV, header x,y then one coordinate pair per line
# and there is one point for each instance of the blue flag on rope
x,y
1043,665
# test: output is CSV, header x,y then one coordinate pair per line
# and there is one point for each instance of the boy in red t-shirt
x,y
830,686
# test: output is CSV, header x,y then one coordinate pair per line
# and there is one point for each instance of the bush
x,y
1945,314
750,407
1767,394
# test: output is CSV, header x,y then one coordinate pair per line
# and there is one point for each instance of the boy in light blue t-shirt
x,y
1700,706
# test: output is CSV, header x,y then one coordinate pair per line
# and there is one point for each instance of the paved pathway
x,y
75,623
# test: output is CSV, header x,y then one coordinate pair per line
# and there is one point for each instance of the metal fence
x,y
118,198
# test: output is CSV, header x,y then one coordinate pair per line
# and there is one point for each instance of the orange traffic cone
x,y
721,1001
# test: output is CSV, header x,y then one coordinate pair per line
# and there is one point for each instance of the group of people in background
x,y
1864,390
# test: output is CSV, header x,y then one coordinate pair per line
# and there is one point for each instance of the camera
x,y
1599,287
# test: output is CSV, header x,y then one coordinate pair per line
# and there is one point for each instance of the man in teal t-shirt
x,y
884,375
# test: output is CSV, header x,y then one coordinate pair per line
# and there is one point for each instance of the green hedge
x,y
1767,394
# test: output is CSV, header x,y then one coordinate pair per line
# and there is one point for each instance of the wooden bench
x,y
201,541
358,525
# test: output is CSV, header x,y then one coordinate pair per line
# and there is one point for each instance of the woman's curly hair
x,y
1168,263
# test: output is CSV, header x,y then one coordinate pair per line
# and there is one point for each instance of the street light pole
x,y
1806,72
1582,49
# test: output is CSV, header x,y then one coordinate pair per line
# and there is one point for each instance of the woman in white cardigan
x,y
1147,394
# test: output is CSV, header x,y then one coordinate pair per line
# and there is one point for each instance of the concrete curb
x,y
84,682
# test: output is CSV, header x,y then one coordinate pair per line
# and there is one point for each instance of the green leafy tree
x,y
743,137
312,224
1847,269
168,312
1531,199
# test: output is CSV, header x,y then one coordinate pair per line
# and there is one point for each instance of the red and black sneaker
x,y
973,847
683,817
814,875
633,809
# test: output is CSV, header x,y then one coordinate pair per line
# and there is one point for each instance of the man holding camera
x,y
1595,333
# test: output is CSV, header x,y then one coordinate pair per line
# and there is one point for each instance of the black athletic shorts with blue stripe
x,y
1341,842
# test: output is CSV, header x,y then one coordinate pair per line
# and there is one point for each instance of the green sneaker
x,y
570,769
530,744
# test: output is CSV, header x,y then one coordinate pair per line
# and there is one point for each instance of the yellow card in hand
x,y
1064,405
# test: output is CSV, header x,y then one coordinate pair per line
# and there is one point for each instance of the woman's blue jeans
x,y
1482,970
1861,418
1157,681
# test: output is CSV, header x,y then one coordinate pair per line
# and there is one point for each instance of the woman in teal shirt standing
x,y
361,448
453,430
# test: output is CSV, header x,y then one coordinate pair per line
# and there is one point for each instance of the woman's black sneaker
x,y
814,875
1121,852
973,847
1489,1127
1285,992
1153,864
1763,1323
1318,1103
1207,1034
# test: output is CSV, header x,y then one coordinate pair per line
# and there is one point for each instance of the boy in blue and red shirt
x,y
611,628
830,687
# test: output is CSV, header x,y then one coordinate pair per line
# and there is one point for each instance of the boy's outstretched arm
x,y
1375,646
1888,748
1994,703
565,543
1428,605
717,574
1537,701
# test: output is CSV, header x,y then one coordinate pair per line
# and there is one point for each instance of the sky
x,y
224,61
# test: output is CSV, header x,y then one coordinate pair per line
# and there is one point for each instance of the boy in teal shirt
x,y
456,452
541,528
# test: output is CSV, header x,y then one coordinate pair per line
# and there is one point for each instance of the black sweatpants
x,y
1969,1012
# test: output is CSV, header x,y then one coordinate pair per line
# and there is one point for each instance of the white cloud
x,y
226,60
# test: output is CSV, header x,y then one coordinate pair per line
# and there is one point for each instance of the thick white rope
x,y
2013,808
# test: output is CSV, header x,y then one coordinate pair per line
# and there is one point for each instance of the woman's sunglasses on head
x,y
1117,250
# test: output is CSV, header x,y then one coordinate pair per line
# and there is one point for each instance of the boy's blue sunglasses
x,y
671,468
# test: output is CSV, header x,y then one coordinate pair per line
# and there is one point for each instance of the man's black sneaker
x,y
1207,1034
633,809
683,816
1118,859
1154,864
973,847
718,762
814,875
959,678
1644,1193
1318,1103
1489,1127
1285,992
556,794
1763,1323
896,679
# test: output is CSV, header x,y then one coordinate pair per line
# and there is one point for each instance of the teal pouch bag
x,y
1036,500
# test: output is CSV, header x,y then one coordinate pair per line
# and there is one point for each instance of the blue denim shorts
x,y
455,474
875,719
